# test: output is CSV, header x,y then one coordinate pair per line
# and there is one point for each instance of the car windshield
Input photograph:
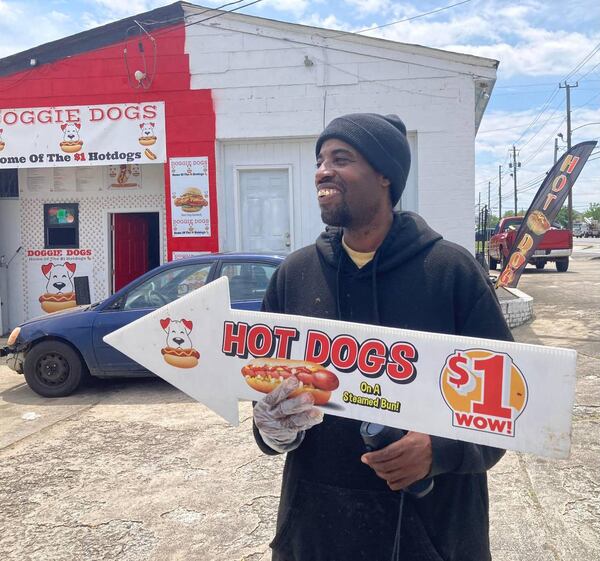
x,y
167,286
512,223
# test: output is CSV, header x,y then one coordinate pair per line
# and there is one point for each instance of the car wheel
x,y
539,264
53,369
562,264
493,264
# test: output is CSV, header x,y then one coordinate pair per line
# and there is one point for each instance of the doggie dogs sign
x,y
50,278
83,135
498,393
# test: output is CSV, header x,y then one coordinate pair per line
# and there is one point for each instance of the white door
x,y
264,210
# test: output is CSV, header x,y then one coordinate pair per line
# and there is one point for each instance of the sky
x,y
539,44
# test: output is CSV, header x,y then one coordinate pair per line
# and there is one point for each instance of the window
x,y
167,286
61,225
248,281
9,183
512,223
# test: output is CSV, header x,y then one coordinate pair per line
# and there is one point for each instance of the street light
x,y
581,126
569,134
560,135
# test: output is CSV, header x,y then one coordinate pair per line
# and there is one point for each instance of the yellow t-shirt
x,y
360,259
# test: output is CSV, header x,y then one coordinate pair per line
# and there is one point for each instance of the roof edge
x,y
452,56
92,39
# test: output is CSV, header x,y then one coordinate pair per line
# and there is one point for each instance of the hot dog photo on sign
x,y
264,375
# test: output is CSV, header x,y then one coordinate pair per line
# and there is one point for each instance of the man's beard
x,y
338,216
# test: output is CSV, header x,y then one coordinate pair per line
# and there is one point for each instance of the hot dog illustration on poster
x,y
50,278
190,204
497,393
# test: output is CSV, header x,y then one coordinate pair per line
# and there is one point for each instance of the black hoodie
x,y
333,507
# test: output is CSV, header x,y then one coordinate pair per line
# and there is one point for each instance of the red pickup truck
x,y
556,245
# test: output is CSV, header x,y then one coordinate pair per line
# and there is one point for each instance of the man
x,y
375,266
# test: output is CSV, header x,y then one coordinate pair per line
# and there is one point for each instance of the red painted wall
x,y
101,77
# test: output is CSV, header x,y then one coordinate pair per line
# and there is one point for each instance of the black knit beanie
x,y
381,139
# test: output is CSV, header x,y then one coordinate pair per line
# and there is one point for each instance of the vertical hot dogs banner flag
x,y
543,210
498,393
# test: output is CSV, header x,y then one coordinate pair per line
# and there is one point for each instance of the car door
x,y
168,284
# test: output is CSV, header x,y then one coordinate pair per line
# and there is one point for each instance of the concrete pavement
x,y
134,470
548,509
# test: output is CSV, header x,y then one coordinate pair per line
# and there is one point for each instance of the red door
x,y
131,238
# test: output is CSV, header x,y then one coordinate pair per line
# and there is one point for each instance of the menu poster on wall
x,y
39,179
64,179
190,204
124,176
46,180
88,178
50,278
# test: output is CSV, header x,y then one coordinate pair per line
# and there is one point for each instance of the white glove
x,y
282,420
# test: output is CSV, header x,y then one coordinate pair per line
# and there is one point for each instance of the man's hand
x,y
403,462
280,418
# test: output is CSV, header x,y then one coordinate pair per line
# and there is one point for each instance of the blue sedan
x,y
57,351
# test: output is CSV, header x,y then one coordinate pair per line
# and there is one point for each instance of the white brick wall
x,y
263,90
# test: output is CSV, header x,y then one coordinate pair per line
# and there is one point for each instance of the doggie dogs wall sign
x,y
50,278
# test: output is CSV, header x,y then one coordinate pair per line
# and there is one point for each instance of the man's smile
x,y
327,191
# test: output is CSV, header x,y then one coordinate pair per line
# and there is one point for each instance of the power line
x,y
409,19
580,79
544,142
588,101
546,104
537,118
223,13
585,59
542,125
504,129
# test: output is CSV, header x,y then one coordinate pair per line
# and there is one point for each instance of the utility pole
x,y
489,195
567,88
500,192
555,149
514,165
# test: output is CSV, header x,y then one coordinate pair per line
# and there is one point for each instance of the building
x,y
102,135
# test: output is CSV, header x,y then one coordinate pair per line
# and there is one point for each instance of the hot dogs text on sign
x,y
345,353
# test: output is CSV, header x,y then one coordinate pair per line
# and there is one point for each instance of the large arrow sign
x,y
497,393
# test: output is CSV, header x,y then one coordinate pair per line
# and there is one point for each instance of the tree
x,y
493,221
512,213
563,216
593,211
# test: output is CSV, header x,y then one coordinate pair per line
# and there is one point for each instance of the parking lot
x,y
135,470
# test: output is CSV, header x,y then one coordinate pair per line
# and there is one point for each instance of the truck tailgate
x,y
556,239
